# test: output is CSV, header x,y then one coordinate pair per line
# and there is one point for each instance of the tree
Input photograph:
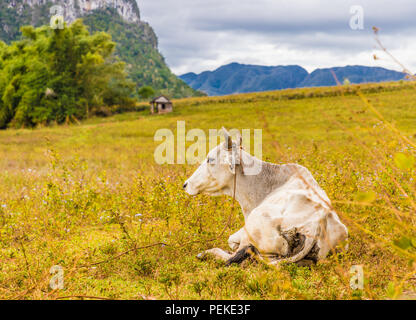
x,y
146,92
59,75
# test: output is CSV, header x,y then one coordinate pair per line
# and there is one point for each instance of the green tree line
x,y
58,75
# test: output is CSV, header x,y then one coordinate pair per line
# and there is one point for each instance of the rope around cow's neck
x,y
235,186
235,172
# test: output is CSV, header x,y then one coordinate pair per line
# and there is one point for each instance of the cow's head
x,y
215,175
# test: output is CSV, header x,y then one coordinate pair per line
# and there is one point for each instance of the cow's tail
x,y
310,242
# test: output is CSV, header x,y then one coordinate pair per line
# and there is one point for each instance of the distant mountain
x,y
240,78
355,74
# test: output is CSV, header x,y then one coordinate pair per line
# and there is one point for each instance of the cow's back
x,y
299,203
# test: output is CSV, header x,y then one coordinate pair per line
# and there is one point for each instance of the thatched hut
x,y
161,104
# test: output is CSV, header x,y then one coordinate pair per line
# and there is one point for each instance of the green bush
x,y
58,75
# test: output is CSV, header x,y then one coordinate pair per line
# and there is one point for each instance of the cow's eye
x,y
211,160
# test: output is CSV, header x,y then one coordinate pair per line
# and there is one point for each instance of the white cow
x,y
288,217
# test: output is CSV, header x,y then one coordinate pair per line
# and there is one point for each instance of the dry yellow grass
x,y
88,197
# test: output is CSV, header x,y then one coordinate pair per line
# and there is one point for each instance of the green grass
x,y
80,196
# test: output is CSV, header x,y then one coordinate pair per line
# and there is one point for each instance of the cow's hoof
x,y
234,245
201,256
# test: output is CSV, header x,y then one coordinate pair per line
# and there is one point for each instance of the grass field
x,y
89,197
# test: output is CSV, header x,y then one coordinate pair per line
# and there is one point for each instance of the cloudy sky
x,y
199,35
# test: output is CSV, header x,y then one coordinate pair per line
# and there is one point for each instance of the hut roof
x,y
160,99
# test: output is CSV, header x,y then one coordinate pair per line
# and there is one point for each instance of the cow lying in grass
x,y
288,217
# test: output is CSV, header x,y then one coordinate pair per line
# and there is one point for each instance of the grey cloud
x,y
196,34
295,16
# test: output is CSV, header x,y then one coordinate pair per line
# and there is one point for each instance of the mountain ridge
x,y
243,78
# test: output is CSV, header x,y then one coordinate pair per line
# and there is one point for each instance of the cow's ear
x,y
239,140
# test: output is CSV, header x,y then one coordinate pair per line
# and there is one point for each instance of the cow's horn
x,y
228,139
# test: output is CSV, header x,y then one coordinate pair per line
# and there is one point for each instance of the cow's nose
x,y
185,184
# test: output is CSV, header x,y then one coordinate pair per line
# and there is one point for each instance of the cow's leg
x,y
235,239
238,241
265,233
241,255
216,253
